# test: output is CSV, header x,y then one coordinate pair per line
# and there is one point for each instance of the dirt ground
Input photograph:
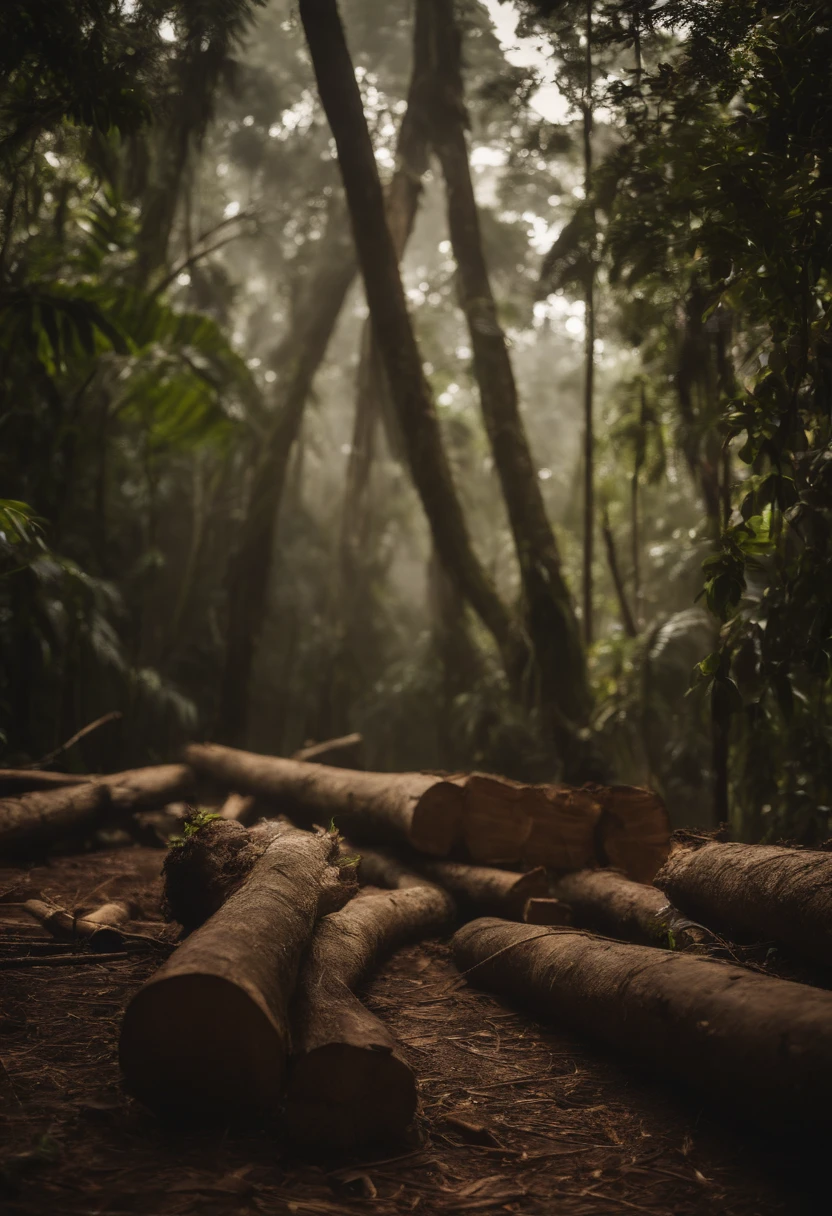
x,y
515,1117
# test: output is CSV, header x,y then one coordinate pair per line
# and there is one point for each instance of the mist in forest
x,y
557,507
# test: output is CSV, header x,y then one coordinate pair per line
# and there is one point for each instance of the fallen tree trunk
x,y
416,809
17,781
43,816
507,822
99,927
761,892
607,902
210,1030
480,890
242,808
761,1045
633,831
139,789
349,1086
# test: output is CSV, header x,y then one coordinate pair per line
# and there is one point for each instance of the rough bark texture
x,y
417,809
248,574
550,616
476,890
634,829
147,788
349,1086
210,1031
609,903
17,781
760,1045
760,892
44,816
410,393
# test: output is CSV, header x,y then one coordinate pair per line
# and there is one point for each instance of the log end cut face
x,y
201,1043
437,819
345,1097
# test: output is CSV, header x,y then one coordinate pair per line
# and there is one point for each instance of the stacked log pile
x,y
586,914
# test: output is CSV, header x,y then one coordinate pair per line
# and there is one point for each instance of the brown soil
x,y
514,1117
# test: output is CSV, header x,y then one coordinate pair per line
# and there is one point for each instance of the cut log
x,y
149,788
349,1086
44,816
609,903
755,892
416,809
476,890
17,781
345,752
99,927
634,829
506,822
759,1045
539,911
210,1031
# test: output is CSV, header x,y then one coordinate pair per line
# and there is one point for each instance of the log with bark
x,y
144,789
476,890
349,1086
44,816
17,781
754,892
416,809
210,1030
99,928
608,902
759,1045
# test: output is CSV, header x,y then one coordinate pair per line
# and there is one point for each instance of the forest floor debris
x,y
514,1117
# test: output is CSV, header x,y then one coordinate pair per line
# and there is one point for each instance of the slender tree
x,y
247,577
410,393
550,617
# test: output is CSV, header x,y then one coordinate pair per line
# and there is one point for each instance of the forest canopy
x,y
552,501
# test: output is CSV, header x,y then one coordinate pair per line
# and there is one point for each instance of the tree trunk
x,y
607,902
757,892
634,829
550,617
416,809
617,581
760,1045
410,392
349,1086
507,823
589,369
477,890
17,781
247,579
45,816
210,1030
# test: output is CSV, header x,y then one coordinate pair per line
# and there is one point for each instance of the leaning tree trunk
x,y
247,579
349,1086
761,892
550,615
760,1045
410,393
210,1030
416,809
